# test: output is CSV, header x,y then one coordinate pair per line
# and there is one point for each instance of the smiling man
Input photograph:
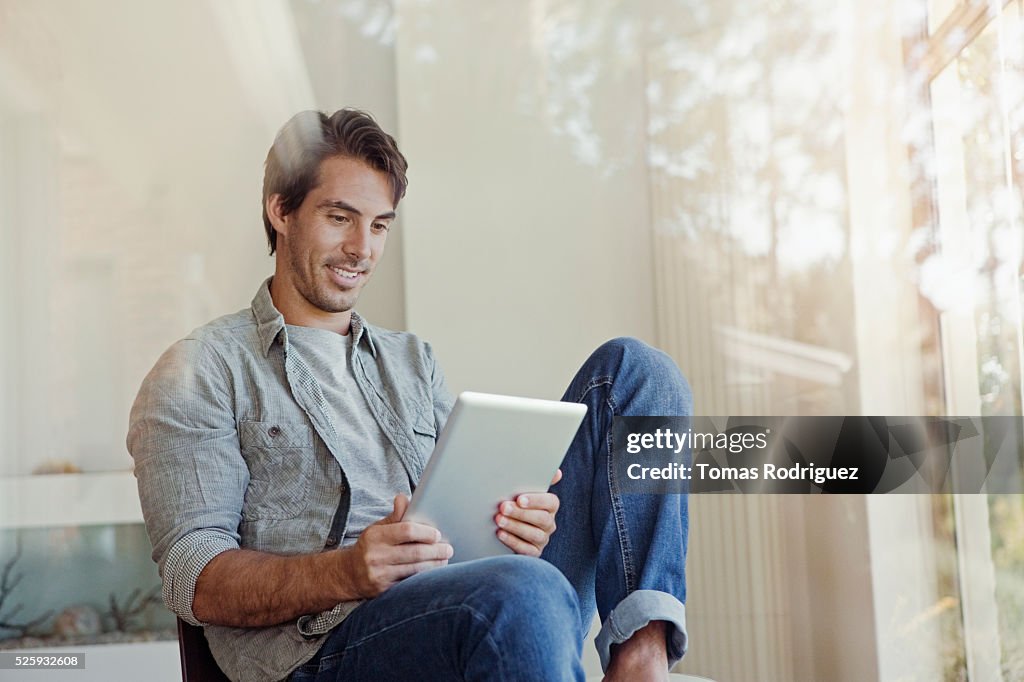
x,y
276,449
331,242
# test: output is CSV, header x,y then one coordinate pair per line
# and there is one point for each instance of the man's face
x,y
329,247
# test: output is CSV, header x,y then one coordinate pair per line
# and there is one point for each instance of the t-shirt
x,y
372,467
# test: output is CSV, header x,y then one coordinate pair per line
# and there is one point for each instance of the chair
x,y
197,664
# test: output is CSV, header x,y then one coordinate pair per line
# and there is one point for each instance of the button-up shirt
x,y
234,447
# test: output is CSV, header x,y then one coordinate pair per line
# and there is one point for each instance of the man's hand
x,y
391,550
525,524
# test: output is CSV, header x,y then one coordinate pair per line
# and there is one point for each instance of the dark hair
x,y
293,163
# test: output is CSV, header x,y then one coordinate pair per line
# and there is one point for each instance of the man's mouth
x,y
345,273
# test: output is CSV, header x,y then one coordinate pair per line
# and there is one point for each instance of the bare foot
x,y
641,658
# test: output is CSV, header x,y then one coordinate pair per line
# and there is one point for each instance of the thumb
x,y
401,504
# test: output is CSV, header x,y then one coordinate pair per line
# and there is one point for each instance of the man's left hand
x,y
526,523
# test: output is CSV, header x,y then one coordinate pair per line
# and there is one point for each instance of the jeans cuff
x,y
637,610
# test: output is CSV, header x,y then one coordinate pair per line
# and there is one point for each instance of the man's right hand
x,y
245,588
392,549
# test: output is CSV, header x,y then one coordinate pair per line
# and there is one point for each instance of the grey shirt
x,y
373,470
235,445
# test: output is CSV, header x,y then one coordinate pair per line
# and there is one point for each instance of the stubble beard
x,y
315,286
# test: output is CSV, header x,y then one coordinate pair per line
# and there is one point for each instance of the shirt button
x,y
274,432
332,540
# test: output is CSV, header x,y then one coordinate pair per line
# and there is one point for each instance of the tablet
x,y
492,448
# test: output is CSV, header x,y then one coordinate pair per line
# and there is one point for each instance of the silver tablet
x,y
493,448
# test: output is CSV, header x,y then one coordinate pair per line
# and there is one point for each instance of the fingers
x,y
388,558
415,553
403,571
526,524
540,518
377,576
402,532
518,545
557,477
387,552
537,536
542,501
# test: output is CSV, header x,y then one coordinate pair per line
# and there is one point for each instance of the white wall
x,y
525,248
133,161
350,55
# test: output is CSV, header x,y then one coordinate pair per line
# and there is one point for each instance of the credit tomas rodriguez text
x,y
769,472
734,442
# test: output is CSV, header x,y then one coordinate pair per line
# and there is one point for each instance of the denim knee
x,y
530,613
628,353
620,349
517,576
637,366
532,590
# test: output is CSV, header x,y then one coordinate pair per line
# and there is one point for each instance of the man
x,y
276,448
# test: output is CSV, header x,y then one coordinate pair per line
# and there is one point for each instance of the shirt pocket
x,y
280,460
424,434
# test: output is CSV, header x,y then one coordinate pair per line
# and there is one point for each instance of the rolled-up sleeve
x,y
189,467
185,560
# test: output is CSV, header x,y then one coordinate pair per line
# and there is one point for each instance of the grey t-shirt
x,y
374,471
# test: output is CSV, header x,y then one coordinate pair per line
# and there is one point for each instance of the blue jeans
x,y
519,618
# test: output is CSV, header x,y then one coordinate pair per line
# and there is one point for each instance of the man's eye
x,y
380,227
339,218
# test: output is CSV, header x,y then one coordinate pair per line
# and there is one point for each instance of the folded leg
x,y
624,554
505,618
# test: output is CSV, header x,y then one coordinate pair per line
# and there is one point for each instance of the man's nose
x,y
357,242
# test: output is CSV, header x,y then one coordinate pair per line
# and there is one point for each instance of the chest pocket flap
x,y
280,459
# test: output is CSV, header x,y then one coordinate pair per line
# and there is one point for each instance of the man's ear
x,y
278,218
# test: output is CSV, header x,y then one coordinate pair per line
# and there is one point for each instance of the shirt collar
x,y
270,322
